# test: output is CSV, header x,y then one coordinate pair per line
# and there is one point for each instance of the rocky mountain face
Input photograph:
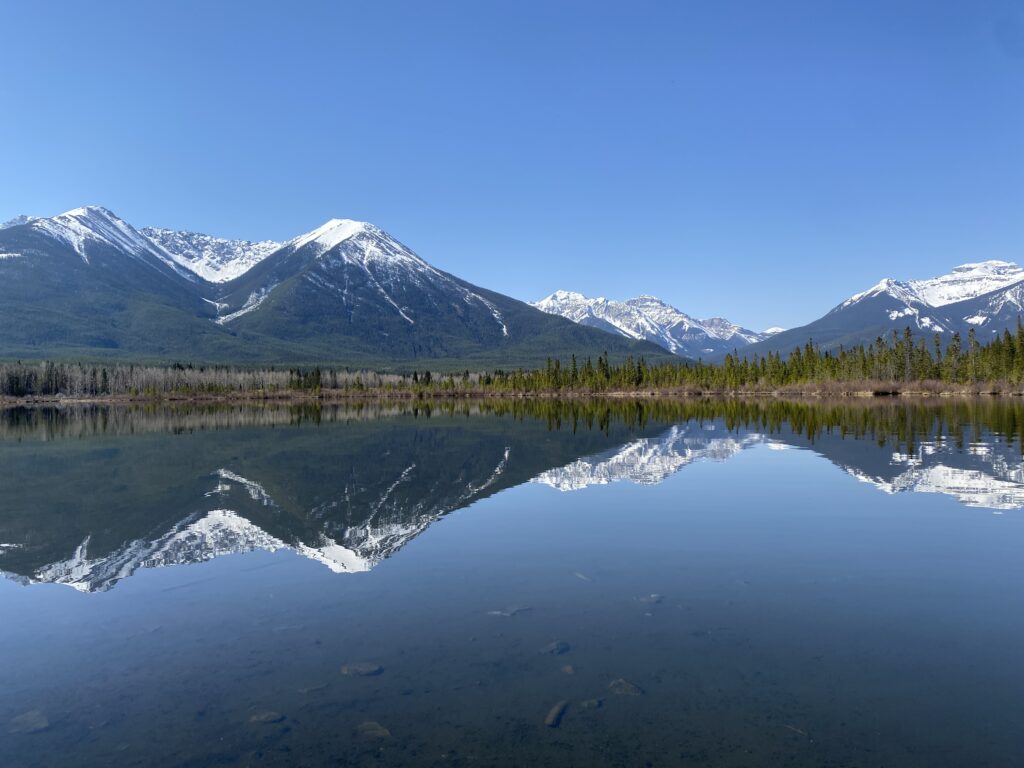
x,y
88,284
212,258
651,319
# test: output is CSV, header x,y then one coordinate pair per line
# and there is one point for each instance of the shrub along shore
x,y
900,365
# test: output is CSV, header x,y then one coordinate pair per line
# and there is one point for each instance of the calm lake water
x,y
704,583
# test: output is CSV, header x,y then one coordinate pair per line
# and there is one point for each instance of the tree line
x,y
895,363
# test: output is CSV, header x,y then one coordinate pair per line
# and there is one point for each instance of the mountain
x,y
211,258
87,284
21,219
651,319
987,296
350,285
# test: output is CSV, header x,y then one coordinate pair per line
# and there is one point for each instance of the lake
x,y
719,583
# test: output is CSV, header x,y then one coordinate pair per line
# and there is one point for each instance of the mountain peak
x,y
331,233
94,224
18,221
992,266
561,296
967,281
88,211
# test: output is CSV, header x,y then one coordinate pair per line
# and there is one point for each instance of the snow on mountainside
x,y
972,294
18,220
985,296
651,319
968,281
189,253
82,229
357,263
212,258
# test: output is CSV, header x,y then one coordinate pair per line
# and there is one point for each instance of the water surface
x,y
778,584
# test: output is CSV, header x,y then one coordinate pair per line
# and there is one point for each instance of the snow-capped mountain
x,y
358,267
984,295
651,319
212,258
345,291
350,284
17,221
85,229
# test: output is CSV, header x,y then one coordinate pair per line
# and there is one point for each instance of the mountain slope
x,y
986,296
650,319
348,285
87,284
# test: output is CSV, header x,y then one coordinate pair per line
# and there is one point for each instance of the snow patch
x,y
253,302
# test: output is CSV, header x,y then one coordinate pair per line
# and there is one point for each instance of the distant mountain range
x,y
88,284
651,319
987,296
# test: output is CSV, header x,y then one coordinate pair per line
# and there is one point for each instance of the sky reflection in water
x,y
720,557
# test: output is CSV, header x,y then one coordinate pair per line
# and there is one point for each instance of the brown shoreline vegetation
x,y
825,391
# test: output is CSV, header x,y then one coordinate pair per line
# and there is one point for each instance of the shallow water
x,y
780,584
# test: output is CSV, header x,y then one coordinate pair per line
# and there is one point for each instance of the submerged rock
x,y
569,669
509,612
592,704
623,687
267,718
652,599
371,729
362,669
555,715
32,721
556,648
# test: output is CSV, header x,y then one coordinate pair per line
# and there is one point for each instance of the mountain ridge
x,y
344,292
649,318
987,296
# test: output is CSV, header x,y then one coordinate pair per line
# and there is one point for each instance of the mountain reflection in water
x,y
91,495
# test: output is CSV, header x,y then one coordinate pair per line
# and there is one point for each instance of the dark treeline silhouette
x,y
900,363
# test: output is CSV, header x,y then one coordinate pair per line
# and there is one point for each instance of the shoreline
x,y
349,396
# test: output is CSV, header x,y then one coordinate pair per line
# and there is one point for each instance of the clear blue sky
x,y
758,160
